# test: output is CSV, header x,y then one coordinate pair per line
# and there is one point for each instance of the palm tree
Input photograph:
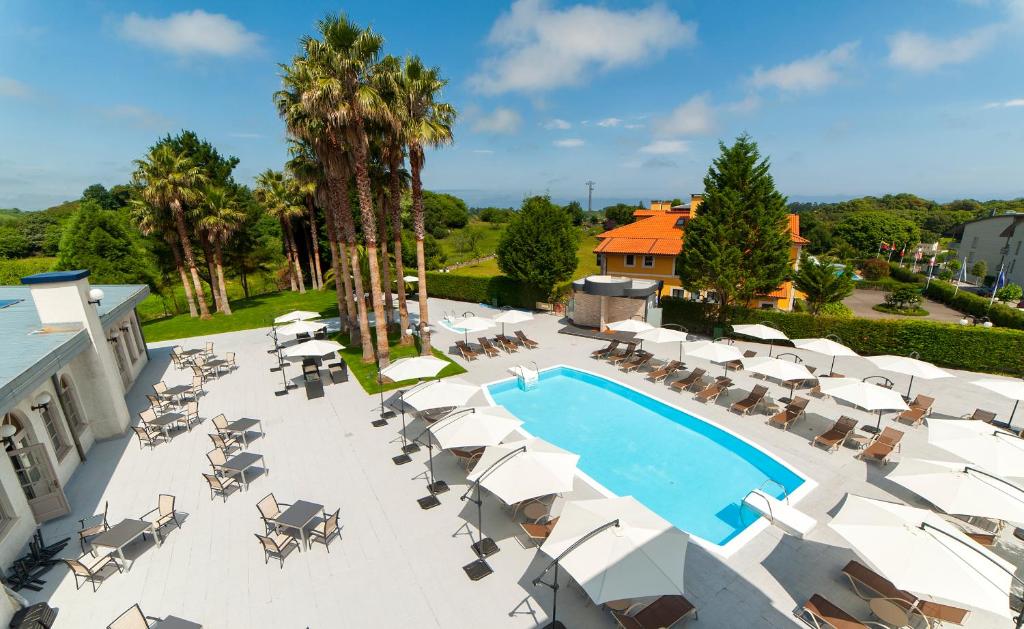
x,y
427,123
220,220
306,170
152,220
379,185
168,179
278,195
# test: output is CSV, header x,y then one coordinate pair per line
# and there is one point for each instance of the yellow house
x,y
647,249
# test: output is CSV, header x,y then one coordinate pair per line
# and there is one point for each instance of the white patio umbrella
x,y
825,347
714,352
297,315
630,325
1013,389
779,369
315,348
473,426
407,369
472,324
908,366
643,556
439,394
761,331
664,335
920,552
301,327
961,488
411,279
866,395
512,317
997,451
527,468
415,367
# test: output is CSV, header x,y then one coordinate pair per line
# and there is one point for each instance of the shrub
x,y
903,299
874,269
886,284
913,311
11,271
903,274
1010,292
497,290
969,303
837,309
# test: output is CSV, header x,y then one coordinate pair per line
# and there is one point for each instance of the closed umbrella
x,y
714,352
825,347
1013,389
297,315
783,370
315,348
997,451
961,488
472,324
866,395
474,426
922,553
760,331
302,327
512,317
664,335
909,366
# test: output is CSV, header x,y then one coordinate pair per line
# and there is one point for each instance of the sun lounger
x,y
639,360
605,351
665,371
539,531
882,446
711,392
864,581
986,416
506,343
612,357
485,344
528,342
737,364
821,613
695,377
837,435
750,402
467,458
919,409
793,411
664,611
466,351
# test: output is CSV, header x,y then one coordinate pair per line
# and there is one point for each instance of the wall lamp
x,y
95,296
42,401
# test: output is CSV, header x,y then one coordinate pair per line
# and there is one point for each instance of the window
x,y
133,323
69,402
630,259
56,438
678,292
129,341
767,305
648,262
115,347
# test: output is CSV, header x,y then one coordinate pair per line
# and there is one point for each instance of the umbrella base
x,y
437,487
377,423
275,369
387,414
555,625
401,459
428,502
285,390
477,570
409,448
485,547
870,429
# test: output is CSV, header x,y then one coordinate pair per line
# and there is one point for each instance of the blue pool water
x,y
689,472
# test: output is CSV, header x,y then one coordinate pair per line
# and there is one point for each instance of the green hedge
x,y
904,274
992,350
886,285
497,290
969,303
11,271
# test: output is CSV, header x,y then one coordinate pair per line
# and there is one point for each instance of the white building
x,y
68,359
998,240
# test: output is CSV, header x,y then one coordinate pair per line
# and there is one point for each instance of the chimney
x,y
695,201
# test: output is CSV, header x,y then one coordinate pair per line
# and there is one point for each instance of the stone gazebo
x,y
601,299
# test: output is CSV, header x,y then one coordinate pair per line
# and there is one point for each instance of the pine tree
x,y
737,245
821,284
539,246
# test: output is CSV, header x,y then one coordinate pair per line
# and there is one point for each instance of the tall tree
x,y
738,244
427,123
821,283
221,218
278,195
539,245
167,178
153,220
102,241
306,170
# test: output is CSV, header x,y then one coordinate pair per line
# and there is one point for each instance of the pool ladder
x,y
527,380
763,486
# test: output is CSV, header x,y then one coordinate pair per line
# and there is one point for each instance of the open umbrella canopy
x,y
301,327
776,368
474,426
513,317
630,325
411,279
908,366
997,451
866,395
961,489
540,469
759,331
297,315
643,556
714,352
826,347
920,552
314,348
439,394
415,367
1012,389
473,324
662,335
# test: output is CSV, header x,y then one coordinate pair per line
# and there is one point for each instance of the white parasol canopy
x,y
540,470
297,315
777,368
825,347
908,366
302,327
472,324
512,317
314,348
866,395
630,325
961,489
643,556
1012,389
439,394
760,331
714,352
920,552
999,452
664,335
415,367
411,279
474,426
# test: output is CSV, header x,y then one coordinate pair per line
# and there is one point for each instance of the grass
x,y
586,265
366,373
490,235
155,307
903,312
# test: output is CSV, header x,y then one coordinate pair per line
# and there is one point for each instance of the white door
x,y
39,482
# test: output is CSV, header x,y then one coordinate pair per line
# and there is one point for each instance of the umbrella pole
x,y
878,425
771,346
1009,422
436,486
909,386
832,369
554,624
287,385
486,546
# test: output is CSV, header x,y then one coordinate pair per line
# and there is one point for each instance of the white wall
x,y
981,241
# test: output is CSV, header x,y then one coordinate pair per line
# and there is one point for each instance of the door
x,y
39,482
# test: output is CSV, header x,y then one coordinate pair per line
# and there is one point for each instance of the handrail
x,y
785,492
771,514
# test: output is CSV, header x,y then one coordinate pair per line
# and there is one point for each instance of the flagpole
x,y
995,286
960,276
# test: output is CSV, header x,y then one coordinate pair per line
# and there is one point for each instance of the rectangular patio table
x,y
173,622
240,427
177,391
241,462
298,516
121,534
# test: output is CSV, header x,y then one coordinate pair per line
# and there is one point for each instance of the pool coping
x,y
722,550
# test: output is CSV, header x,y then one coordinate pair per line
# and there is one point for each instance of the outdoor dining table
x,y
177,391
239,463
240,427
298,516
121,534
173,622
216,364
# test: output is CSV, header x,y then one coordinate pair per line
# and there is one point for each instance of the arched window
x,y
69,402
51,422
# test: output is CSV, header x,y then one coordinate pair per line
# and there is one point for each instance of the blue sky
x,y
848,99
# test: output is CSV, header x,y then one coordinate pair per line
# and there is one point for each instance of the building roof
x,y
658,234
794,231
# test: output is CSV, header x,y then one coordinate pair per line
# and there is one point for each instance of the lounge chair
x,y
528,342
466,351
485,344
837,435
325,530
165,512
664,611
506,343
665,371
540,530
639,360
339,372
277,546
750,402
736,365
270,510
985,416
919,409
882,446
793,411
220,485
605,351
89,569
821,613
712,391
864,580
146,437
695,377
96,524
467,458
624,355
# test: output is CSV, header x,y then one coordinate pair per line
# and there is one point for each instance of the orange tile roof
x,y
794,231
782,292
654,235
640,246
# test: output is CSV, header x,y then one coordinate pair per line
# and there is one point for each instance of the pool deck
x,y
399,566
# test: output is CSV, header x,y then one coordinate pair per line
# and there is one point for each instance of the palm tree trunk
x,y
299,277
218,255
382,239
314,234
396,234
370,239
186,248
288,254
184,277
416,163
359,298
342,287
309,261
211,267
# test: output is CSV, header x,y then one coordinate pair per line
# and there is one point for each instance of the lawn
x,y
454,245
586,265
366,373
155,307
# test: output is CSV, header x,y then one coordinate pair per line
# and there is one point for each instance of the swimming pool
x,y
689,471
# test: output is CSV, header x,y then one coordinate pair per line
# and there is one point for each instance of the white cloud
x,y
502,120
922,53
191,33
1013,102
632,126
747,105
609,122
542,48
557,123
666,147
695,116
13,89
483,151
137,116
807,74
569,143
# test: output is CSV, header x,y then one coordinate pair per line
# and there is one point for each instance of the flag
x,y
1000,280
885,246
931,262
904,251
917,254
